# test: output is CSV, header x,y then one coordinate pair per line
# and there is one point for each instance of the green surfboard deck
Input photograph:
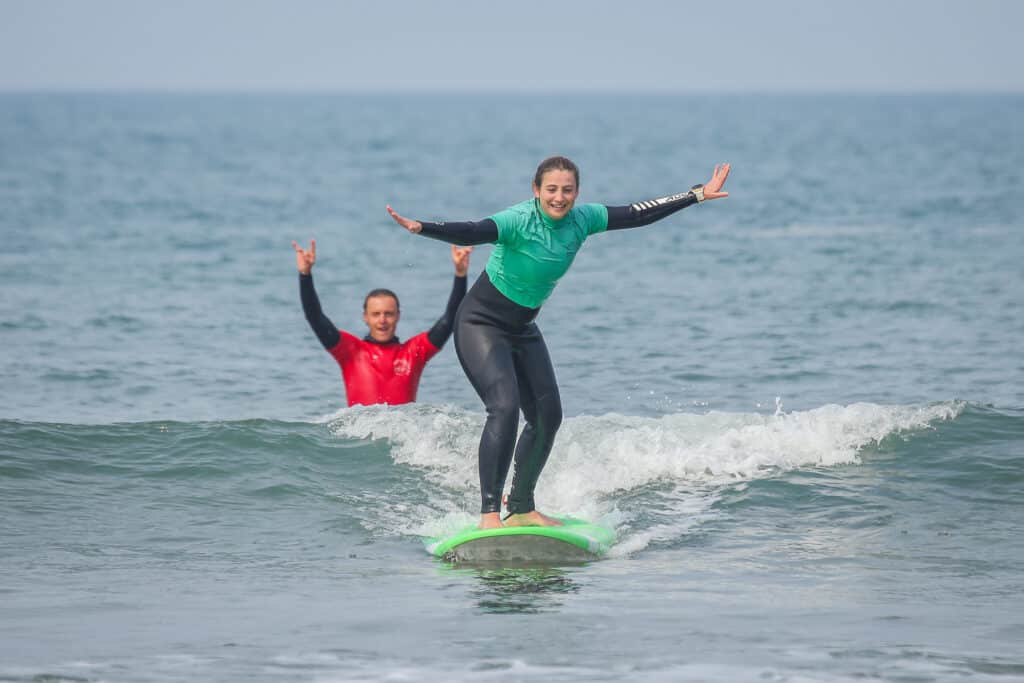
x,y
575,541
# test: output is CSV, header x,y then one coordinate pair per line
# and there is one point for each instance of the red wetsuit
x,y
382,373
376,372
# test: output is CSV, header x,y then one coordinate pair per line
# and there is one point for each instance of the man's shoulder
x,y
420,342
346,341
418,339
348,337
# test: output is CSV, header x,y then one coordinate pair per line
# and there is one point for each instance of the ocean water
x,y
801,408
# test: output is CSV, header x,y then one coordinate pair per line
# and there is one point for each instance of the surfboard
x,y
575,541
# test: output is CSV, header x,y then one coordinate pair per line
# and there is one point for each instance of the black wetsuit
x,y
504,356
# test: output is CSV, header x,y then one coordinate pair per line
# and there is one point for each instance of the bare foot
x,y
533,518
490,520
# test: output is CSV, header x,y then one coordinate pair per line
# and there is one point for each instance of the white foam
x,y
684,460
439,440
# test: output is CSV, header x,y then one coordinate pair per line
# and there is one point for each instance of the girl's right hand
x,y
407,223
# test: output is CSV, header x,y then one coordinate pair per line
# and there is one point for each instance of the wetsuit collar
x,y
548,221
393,340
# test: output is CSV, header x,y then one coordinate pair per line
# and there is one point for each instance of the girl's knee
x,y
546,418
503,406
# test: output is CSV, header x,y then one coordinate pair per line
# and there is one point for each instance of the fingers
x,y
407,223
312,249
404,222
718,177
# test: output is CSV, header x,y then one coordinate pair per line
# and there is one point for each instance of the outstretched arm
x,y
463,232
645,213
325,330
442,329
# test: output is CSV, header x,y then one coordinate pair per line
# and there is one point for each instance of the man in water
x,y
379,368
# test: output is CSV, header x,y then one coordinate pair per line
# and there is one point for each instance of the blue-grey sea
x,y
801,407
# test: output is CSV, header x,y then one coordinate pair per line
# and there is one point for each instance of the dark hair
x,y
382,292
553,164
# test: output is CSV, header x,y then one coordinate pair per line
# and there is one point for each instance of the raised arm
x,y
647,212
464,232
442,329
325,330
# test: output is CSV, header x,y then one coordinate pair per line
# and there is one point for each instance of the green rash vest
x,y
533,251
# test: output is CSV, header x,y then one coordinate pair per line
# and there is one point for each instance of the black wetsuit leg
x,y
505,358
542,410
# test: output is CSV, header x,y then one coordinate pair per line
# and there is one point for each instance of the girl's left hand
x,y
712,188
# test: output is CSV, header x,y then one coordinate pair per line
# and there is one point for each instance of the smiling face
x,y
380,313
556,193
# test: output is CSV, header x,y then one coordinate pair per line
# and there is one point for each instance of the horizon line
x,y
462,91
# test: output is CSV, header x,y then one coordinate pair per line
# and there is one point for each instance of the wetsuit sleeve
x,y
645,213
467,233
325,330
442,329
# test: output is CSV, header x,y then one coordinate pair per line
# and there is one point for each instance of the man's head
x,y
381,314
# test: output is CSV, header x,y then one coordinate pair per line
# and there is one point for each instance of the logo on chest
x,y
402,366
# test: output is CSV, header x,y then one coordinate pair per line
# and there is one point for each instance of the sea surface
x,y
801,408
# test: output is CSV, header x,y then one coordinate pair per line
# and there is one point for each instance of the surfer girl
x,y
499,345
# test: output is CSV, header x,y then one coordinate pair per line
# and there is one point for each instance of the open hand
x,y
460,257
407,223
305,259
712,188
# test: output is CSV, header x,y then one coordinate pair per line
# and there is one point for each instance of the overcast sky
x,y
560,45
